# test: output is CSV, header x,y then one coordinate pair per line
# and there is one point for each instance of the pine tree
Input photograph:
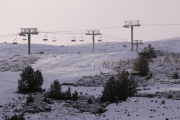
x,y
122,82
132,87
141,65
30,81
55,90
110,90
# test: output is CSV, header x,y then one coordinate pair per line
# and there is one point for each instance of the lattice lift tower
x,y
132,24
29,31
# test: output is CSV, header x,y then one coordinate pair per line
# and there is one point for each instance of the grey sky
x,y
62,15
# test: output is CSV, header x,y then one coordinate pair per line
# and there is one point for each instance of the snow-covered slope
x,y
69,63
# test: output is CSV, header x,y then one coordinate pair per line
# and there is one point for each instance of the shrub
x,y
148,53
170,96
119,89
55,90
15,117
163,101
47,100
30,99
175,76
75,95
89,101
31,81
141,65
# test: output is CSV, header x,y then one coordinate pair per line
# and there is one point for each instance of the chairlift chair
x,y
45,38
73,39
100,39
14,42
24,38
81,39
54,39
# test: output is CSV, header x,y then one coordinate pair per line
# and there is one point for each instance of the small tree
x,y
148,53
67,94
31,81
141,65
55,90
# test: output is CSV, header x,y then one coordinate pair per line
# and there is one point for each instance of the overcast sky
x,y
65,15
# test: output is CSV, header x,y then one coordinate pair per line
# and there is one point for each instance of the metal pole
x,y
136,46
29,44
131,38
93,43
93,49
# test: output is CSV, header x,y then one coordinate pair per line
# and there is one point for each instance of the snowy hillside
x,y
70,63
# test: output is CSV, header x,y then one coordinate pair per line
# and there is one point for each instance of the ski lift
x,y
14,42
45,38
54,39
24,38
73,39
81,39
100,39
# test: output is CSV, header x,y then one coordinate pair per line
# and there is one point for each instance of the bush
x,y
163,101
75,95
31,81
89,101
30,99
141,65
47,100
119,89
175,76
55,90
15,117
170,96
148,53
